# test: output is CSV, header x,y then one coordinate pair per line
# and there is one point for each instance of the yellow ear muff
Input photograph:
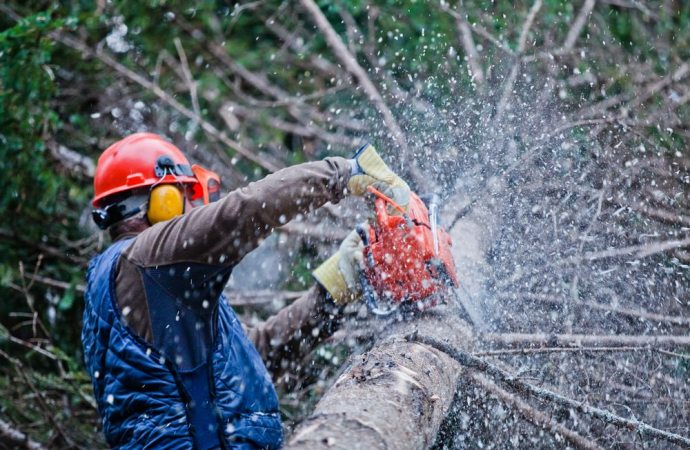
x,y
165,202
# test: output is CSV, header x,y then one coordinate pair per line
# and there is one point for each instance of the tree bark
x,y
395,395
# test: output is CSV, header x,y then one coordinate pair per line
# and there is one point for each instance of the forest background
x,y
571,118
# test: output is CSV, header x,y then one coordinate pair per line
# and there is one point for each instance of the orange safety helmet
x,y
139,160
146,160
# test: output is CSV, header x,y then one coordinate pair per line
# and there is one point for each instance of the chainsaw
x,y
407,261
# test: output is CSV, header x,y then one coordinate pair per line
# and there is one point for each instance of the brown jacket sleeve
x,y
223,232
288,336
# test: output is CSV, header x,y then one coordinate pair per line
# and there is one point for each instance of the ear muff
x,y
165,202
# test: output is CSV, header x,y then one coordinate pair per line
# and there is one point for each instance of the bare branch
x,y
586,339
261,297
189,78
209,128
467,42
351,64
522,42
13,436
467,360
637,251
483,32
515,69
578,24
638,314
297,129
545,350
71,160
533,415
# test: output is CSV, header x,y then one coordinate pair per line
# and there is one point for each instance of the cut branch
x,y
394,396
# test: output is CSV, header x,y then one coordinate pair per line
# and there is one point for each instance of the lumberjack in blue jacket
x,y
170,363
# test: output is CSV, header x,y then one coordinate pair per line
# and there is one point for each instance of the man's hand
x,y
370,170
339,274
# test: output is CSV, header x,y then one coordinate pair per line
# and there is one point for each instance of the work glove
x,y
339,274
370,170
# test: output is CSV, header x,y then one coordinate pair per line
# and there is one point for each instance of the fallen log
x,y
394,396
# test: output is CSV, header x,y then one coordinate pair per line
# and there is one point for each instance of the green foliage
x,y
26,119
40,206
39,203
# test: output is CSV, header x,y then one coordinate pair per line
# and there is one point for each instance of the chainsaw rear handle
x,y
368,292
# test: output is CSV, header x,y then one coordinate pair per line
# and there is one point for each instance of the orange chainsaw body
x,y
403,262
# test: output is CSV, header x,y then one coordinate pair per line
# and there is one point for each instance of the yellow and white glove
x,y
370,170
339,274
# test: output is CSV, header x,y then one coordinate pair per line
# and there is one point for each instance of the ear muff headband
x,y
165,202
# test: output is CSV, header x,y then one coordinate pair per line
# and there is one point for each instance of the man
x,y
170,363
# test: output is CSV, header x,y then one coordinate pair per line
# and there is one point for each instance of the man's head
x,y
146,179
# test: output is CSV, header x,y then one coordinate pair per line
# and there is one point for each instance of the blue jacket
x,y
146,399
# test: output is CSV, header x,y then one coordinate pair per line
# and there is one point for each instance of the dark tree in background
x,y
565,123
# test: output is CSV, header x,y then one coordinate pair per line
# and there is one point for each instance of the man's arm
x,y
221,233
288,336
